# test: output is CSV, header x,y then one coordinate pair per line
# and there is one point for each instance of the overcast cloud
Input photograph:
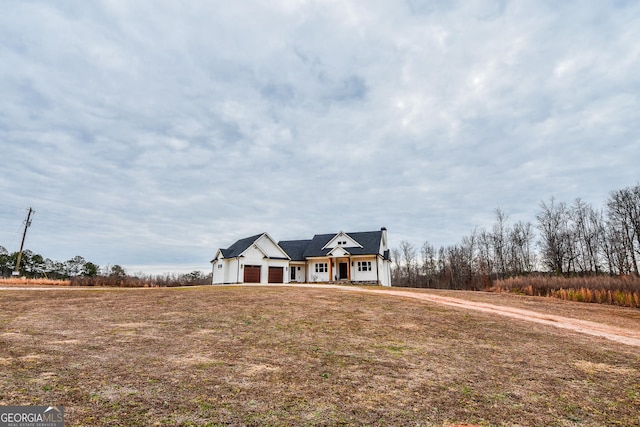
x,y
150,133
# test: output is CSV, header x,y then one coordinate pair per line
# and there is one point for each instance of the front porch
x,y
351,269
339,269
356,282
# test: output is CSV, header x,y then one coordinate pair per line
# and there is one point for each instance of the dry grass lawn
x,y
622,317
289,356
23,281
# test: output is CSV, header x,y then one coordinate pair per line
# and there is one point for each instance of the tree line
x,y
33,265
566,240
85,273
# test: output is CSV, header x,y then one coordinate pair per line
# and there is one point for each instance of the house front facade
x,y
359,257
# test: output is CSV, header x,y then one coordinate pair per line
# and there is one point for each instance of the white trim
x,y
338,245
353,243
346,252
257,246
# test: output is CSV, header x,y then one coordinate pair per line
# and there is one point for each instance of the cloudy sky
x,y
150,133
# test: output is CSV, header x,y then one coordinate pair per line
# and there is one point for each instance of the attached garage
x,y
252,273
255,259
276,274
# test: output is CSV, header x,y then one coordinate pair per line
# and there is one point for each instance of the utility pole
x,y
27,223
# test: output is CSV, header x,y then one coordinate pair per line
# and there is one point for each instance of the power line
x,y
27,223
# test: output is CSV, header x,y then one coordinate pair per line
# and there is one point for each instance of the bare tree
x,y
521,239
429,264
555,237
500,249
485,261
623,212
395,257
408,252
468,246
615,251
588,235
458,269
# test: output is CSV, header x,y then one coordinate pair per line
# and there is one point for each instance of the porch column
x,y
349,269
330,270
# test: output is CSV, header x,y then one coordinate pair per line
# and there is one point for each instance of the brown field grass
x,y
620,317
22,281
293,356
623,291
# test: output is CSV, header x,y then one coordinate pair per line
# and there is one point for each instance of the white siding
x,y
225,271
317,276
339,252
342,237
269,248
264,252
385,272
252,254
217,273
301,274
364,276
231,271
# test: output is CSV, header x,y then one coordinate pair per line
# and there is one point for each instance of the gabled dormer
x,y
338,251
258,246
343,240
267,247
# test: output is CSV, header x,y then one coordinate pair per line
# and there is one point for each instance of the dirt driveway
x,y
621,335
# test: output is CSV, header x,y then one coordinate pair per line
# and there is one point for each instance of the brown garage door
x,y
276,274
252,274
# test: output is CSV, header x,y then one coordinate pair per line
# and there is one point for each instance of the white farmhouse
x,y
359,257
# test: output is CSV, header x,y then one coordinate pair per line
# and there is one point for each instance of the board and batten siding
x,y
315,276
225,271
362,275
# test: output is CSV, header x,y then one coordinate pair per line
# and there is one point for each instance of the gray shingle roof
x,y
299,250
240,246
295,248
370,241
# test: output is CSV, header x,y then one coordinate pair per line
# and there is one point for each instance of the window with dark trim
x,y
364,265
321,267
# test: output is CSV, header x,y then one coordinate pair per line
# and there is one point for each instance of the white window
x,y
321,267
364,265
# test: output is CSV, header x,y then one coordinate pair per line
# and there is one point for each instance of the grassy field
x,y
290,356
628,318
22,281
604,289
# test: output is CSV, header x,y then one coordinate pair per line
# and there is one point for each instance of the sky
x,y
150,133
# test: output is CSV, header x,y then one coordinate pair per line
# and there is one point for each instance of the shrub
x,y
624,290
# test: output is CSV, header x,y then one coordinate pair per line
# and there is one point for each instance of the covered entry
x,y
343,269
276,274
252,274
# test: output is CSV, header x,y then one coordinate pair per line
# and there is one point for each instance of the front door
x,y
293,273
343,271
